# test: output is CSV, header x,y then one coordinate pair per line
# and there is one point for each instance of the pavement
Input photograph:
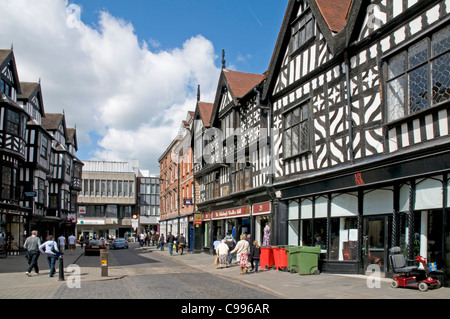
x,y
14,284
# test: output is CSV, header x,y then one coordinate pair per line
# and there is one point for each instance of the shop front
x,y
262,219
355,226
235,221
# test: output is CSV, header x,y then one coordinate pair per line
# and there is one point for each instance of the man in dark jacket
x,y
170,240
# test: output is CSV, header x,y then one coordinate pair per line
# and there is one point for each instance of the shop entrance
x,y
375,246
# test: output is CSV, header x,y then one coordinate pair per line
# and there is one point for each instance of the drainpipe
x,y
349,106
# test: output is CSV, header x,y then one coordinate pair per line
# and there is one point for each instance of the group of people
x,y
178,242
247,253
50,248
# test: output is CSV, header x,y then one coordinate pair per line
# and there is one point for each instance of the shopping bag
x,y
216,261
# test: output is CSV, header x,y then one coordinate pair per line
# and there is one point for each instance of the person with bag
x,y
50,248
32,245
222,254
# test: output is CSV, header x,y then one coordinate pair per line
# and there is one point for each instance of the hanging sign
x,y
261,208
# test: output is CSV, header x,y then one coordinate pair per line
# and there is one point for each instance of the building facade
x,y
148,207
107,201
359,93
40,172
342,143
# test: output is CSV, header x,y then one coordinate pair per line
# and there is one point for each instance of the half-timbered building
x,y
360,93
63,164
36,169
13,120
232,159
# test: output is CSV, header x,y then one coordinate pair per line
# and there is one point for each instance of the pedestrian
x,y
50,248
32,245
170,240
222,251
181,243
255,252
231,242
141,239
176,242
72,240
242,250
154,238
81,240
61,243
161,242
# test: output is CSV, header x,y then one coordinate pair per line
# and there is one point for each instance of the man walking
x,y
72,243
170,239
32,246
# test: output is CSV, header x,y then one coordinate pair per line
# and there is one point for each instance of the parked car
x,y
118,243
93,247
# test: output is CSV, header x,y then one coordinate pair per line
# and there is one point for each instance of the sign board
x,y
231,212
260,209
198,219
30,194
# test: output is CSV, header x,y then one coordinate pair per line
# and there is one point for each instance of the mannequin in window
x,y
266,238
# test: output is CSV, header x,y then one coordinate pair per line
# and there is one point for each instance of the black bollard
x,y
61,268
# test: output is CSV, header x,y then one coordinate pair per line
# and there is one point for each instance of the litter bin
x,y
280,258
309,260
266,258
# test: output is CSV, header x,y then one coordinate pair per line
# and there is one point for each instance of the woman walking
x,y
50,248
243,250
255,252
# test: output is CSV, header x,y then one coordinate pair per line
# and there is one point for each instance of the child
x,y
254,253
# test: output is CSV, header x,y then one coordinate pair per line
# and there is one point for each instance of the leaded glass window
x,y
296,131
418,77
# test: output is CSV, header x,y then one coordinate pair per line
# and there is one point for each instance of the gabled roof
x,y
30,89
241,83
205,111
335,19
72,137
51,121
7,56
335,13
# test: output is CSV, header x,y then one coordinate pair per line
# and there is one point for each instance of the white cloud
x,y
105,79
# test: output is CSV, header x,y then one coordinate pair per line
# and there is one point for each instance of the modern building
x,y
148,207
107,201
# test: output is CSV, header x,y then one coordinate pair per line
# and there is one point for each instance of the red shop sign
x,y
262,208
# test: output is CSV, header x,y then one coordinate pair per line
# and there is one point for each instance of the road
x,y
150,276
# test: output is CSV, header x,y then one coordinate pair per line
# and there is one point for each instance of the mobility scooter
x,y
411,276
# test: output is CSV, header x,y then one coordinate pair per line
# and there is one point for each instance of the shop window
x,y
344,237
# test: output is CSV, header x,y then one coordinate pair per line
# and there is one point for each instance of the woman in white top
x,y
242,249
50,248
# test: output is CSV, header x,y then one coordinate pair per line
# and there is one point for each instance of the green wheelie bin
x,y
293,257
308,260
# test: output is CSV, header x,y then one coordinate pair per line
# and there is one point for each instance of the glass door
x,y
375,242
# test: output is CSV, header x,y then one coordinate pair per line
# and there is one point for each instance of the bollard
x,y
104,262
61,268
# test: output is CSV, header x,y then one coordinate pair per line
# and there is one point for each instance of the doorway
x,y
376,240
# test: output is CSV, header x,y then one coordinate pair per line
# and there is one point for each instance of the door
x,y
375,242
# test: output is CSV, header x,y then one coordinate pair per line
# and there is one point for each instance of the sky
x,y
125,73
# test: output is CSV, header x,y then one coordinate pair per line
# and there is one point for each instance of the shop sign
x,y
231,213
207,216
262,208
91,222
197,219
82,210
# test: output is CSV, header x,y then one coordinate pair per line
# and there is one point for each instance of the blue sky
x,y
125,73
246,29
